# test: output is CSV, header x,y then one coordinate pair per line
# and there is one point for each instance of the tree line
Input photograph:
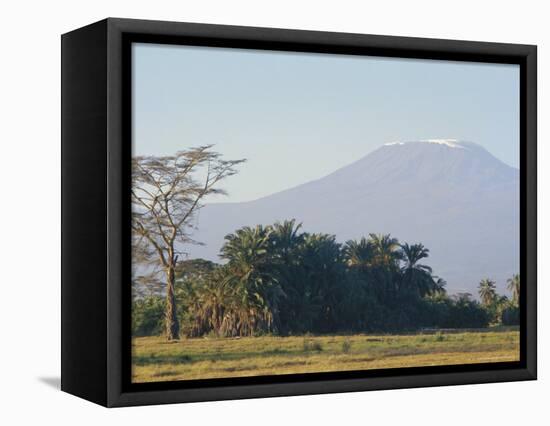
x,y
277,279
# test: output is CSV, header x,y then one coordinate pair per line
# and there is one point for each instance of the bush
x,y
452,312
466,314
148,316
510,316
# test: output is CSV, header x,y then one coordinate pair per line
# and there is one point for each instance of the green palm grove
x,y
278,280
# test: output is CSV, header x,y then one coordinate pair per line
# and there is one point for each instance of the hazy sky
x,y
299,116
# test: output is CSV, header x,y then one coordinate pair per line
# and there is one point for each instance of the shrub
x,y
465,314
510,316
148,316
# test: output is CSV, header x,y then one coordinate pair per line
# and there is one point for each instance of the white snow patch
x,y
451,143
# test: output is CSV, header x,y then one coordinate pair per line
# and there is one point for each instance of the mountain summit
x,y
454,197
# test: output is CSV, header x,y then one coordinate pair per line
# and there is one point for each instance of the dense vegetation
x,y
279,280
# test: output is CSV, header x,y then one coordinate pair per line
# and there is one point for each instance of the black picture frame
x,y
96,137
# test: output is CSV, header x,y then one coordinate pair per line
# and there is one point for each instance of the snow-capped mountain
x,y
454,197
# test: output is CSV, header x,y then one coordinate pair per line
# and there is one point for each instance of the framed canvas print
x,y
252,212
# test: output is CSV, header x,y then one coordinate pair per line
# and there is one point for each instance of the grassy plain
x,y
155,359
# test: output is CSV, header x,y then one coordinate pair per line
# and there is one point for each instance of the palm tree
x,y
358,253
385,265
513,286
417,277
247,246
386,250
487,291
212,299
296,311
439,286
412,254
321,260
251,275
286,239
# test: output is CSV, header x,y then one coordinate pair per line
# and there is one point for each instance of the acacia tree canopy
x,y
167,192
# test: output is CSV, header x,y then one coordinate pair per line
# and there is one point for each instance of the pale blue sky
x,y
300,116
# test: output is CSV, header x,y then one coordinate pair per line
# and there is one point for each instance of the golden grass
x,y
155,359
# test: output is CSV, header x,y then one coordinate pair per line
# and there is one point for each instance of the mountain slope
x,y
454,197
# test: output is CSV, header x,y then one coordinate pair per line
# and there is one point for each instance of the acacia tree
x,y
167,192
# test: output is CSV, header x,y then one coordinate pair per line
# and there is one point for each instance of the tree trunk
x,y
171,315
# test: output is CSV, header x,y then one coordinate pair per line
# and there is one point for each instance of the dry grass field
x,y
155,359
